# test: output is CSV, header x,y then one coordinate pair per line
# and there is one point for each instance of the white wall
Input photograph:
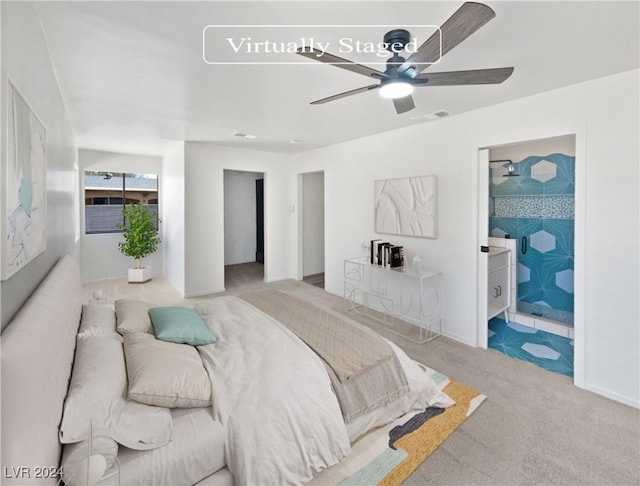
x,y
25,61
101,258
240,216
313,223
520,151
606,110
172,198
204,209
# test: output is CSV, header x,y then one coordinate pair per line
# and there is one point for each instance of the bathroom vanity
x,y
499,284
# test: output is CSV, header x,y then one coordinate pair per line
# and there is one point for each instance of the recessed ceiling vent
x,y
441,114
243,135
432,116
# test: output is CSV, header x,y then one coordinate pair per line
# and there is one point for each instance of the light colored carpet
x,y
535,428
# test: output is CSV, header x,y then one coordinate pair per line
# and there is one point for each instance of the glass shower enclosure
x,y
533,201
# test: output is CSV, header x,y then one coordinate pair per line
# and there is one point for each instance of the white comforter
x,y
273,395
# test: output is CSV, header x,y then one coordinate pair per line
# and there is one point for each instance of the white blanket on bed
x,y
273,395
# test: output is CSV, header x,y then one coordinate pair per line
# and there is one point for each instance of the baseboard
x,y
333,292
613,396
203,293
459,339
277,279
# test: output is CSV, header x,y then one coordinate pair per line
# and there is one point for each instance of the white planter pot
x,y
139,275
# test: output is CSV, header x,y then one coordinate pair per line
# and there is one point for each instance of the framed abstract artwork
x,y
407,206
25,216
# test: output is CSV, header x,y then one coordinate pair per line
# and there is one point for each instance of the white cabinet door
x,y
498,285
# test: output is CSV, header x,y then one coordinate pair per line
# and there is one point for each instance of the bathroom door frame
x,y
483,240
481,175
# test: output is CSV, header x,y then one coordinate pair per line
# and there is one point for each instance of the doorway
x,y
260,221
244,252
311,263
547,265
532,201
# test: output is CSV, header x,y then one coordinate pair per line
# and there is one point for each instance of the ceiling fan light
x,y
396,89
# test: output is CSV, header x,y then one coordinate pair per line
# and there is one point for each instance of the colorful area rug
x,y
388,455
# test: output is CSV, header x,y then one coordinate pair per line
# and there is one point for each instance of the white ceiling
x,y
133,74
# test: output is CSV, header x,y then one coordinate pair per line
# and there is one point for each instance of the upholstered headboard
x,y
37,355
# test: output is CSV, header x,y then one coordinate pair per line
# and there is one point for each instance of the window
x,y
106,193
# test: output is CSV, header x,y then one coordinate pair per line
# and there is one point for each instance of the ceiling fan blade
x,y
474,76
345,94
325,57
464,22
403,104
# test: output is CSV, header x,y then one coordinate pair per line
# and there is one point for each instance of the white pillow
x,y
196,452
165,374
97,394
98,320
133,316
73,455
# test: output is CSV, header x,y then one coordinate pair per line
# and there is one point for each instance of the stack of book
x,y
386,254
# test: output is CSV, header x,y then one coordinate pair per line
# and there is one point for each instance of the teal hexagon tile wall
x,y
548,174
543,170
538,209
542,241
500,227
564,181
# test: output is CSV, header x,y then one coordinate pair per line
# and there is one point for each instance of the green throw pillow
x,y
180,325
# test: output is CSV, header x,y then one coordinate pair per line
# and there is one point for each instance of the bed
x,y
279,394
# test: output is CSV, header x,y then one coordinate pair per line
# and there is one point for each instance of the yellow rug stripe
x,y
420,443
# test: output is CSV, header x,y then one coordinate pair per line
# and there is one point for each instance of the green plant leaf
x,y
139,232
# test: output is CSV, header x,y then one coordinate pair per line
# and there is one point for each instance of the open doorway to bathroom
x,y
311,228
243,228
531,200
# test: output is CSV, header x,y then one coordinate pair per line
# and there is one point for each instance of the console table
x,y
406,299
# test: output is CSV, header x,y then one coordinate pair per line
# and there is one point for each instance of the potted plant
x,y
140,232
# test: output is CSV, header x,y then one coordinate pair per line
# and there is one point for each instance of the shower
x,y
511,169
531,199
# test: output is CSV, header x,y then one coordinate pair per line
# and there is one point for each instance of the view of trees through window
x,y
107,193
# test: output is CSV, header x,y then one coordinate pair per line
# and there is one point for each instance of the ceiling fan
x,y
401,75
